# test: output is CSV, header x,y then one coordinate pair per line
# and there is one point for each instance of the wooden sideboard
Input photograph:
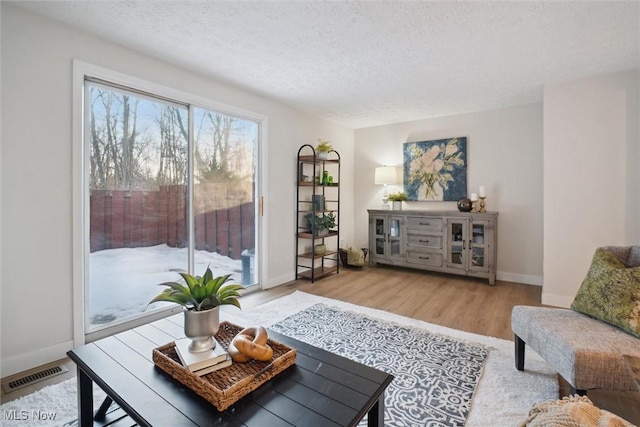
x,y
445,241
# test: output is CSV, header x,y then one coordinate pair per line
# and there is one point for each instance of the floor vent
x,y
27,380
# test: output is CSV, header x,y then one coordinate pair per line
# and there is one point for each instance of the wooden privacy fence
x,y
128,219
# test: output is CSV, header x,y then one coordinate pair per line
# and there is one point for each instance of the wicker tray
x,y
226,386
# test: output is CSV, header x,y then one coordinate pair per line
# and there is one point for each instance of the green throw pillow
x,y
611,292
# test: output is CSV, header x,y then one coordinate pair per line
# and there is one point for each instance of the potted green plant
x,y
320,224
323,148
397,199
201,299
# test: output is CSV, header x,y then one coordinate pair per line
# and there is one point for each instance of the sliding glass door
x,y
171,187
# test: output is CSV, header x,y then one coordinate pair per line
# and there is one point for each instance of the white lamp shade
x,y
386,175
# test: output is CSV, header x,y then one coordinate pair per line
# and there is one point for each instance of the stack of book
x,y
205,362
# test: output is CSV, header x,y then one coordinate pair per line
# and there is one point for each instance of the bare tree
x,y
140,144
213,162
119,149
173,147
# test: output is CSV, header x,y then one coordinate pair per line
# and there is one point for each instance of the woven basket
x,y
343,257
224,387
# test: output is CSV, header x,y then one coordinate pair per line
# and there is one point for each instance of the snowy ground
x,y
124,280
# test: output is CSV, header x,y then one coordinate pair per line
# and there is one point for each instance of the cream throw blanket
x,y
576,411
355,256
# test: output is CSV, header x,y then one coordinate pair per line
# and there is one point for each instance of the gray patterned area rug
x,y
435,375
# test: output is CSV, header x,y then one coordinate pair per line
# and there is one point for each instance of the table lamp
x,y
386,175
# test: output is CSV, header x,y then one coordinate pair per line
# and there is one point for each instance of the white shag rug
x,y
503,396
51,406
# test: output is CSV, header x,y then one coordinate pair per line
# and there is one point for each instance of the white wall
x,y
37,207
591,181
504,153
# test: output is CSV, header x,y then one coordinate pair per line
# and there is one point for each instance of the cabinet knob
x,y
424,241
424,257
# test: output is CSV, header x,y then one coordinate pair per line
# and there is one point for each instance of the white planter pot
x,y
396,206
323,232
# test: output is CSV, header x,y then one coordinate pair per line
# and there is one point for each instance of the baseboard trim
x,y
26,361
277,281
527,279
556,300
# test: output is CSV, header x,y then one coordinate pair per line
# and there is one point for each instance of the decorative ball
x,y
464,205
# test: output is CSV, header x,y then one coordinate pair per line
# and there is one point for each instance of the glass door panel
x,y
394,249
379,246
478,244
171,188
137,175
456,243
395,237
224,201
477,257
478,234
395,228
380,235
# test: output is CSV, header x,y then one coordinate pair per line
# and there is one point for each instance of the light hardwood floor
x,y
462,303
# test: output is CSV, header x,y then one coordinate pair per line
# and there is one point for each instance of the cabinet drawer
x,y
415,223
424,241
424,258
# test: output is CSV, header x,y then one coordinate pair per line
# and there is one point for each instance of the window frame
x,y
80,199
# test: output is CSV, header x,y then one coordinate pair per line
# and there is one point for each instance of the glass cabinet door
x,y
387,237
478,243
457,234
380,236
394,237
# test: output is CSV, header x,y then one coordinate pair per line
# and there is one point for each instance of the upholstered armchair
x,y
587,344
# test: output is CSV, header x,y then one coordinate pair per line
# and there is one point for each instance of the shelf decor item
x,y
464,205
474,202
226,386
482,195
318,202
201,298
321,224
323,148
397,199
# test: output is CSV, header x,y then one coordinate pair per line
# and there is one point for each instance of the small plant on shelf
x,y
320,224
398,197
323,146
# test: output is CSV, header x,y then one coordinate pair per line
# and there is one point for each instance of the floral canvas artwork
x,y
436,170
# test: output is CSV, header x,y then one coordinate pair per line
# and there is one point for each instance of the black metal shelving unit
x,y
317,198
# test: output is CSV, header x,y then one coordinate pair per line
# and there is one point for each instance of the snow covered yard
x,y
124,280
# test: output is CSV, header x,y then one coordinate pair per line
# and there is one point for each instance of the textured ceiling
x,y
370,63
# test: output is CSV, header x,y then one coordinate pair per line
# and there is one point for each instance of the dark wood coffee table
x,y
321,389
